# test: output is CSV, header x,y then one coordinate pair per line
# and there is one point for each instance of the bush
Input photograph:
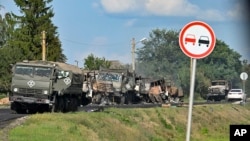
x,y
2,95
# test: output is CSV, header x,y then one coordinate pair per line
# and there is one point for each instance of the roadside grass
x,y
209,123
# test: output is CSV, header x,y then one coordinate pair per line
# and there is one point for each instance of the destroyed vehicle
x,y
111,86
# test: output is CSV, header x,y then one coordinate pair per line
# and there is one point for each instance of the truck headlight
x,y
15,89
117,90
45,92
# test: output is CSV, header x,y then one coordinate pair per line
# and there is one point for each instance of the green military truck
x,y
39,86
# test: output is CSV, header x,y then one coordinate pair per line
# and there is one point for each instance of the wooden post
x,y
133,54
43,46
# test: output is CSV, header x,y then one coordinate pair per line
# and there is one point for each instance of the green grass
x,y
2,95
209,123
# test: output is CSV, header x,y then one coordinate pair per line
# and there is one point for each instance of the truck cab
x,y
42,85
218,90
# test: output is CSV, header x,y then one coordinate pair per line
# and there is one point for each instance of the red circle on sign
x,y
186,51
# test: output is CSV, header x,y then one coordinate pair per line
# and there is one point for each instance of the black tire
x,y
54,106
73,104
61,104
17,108
122,100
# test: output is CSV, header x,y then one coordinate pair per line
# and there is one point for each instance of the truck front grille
x,y
215,91
105,87
30,91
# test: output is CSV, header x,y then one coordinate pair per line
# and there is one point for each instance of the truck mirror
x,y
59,76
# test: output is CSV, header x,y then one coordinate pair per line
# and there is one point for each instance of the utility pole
x,y
133,54
43,46
76,63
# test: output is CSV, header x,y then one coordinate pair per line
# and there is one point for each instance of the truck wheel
x,y
17,108
122,100
61,104
209,99
54,106
152,98
73,104
97,99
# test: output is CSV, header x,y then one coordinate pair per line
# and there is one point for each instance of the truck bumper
x,y
30,100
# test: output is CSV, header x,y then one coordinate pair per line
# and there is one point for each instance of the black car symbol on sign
x,y
203,40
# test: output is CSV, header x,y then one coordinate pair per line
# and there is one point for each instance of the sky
x,y
105,28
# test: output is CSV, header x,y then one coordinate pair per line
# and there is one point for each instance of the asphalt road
x,y
7,116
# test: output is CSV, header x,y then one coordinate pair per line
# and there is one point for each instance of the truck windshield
x,y
218,83
42,71
109,77
33,71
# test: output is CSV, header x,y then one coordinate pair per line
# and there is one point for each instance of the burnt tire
x,y
97,99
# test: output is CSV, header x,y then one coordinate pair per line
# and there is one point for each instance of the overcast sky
x,y
106,27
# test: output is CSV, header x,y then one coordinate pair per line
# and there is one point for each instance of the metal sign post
x,y
191,97
196,40
244,77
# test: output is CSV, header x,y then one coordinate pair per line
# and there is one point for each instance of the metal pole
x,y
43,46
191,97
133,54
191,65
243,81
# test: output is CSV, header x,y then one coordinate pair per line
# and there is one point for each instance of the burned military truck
x,y
158,91
174,93
142,88
45,86
110,86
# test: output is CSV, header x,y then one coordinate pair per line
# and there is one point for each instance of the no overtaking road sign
x,y
197,39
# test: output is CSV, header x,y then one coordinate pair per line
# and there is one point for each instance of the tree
x,y
8,54
161,57
36,17
94,63
5,28
20,37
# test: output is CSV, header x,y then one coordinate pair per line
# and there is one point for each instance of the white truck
x,y
218,90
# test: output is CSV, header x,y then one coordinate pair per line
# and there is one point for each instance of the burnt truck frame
x,y
158,91
109,86
40,86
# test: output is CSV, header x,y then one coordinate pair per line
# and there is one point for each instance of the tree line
x,y
160,56
21,36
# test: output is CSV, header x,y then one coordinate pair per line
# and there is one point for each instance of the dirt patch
x,y
4,101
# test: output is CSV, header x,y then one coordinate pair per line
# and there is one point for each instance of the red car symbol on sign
x,y
190,38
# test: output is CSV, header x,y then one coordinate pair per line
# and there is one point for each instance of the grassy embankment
x,y
210,123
